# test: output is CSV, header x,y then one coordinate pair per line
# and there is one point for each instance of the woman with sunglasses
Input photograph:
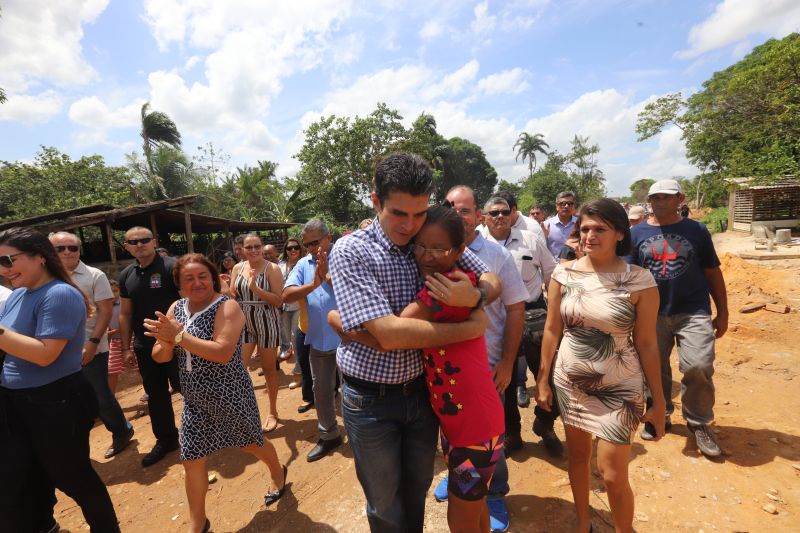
x,y
257,285
47,407
226,267
290,314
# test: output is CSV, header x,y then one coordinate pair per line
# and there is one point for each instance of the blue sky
x,y
249,76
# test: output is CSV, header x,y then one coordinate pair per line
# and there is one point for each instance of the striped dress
x,y
261,319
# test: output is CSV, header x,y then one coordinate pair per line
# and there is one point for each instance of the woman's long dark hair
x,y
612,213
34,243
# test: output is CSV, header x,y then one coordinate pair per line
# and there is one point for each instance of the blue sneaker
x,y
440,492
498,515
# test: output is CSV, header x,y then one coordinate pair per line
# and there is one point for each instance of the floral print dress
x,y
599,383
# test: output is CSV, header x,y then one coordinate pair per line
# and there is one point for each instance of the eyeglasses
x,y
565,204
134,242
70,247
436,253
293,248
7,261
311,244
497,212
252,247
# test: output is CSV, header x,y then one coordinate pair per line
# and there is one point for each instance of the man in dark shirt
x,y
145,287
680,254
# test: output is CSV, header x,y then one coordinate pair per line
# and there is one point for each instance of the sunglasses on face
x,y
7,261
566,204
311,244
293,248
70,247
496,212
252,247
134,242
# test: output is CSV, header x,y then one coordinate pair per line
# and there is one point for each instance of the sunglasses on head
x,y
143,240
70,247
565,204
293,248
497,212
7,261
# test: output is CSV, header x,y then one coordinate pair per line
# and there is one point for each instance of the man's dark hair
x,y
402,172
541,208
508,197
613,214
566,194
239,239
447,219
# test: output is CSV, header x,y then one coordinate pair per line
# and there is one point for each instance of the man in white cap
x,y
636,215
681,256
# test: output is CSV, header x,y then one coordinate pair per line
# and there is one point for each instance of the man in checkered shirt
x,y
391,427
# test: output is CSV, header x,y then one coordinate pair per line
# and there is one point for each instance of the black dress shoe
x,y
119,445
159,451
513,441
549,438
305,407
322,448
275,495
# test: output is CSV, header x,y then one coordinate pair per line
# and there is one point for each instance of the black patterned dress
x,y
219,405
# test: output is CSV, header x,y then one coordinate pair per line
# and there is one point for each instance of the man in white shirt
x,y
535,264
95,285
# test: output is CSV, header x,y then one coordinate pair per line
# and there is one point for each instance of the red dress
x,y
462,391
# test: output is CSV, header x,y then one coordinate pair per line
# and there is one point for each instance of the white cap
x,y
665,187
636,211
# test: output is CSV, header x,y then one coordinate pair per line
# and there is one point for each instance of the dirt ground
x,y
757,421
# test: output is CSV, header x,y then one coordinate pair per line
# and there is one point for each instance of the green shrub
x,y
717,220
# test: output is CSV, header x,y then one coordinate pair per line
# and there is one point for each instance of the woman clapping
x,y
219,405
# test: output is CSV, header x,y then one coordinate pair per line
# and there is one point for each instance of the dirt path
x,y
758,422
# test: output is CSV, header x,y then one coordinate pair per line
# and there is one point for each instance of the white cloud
x,y
453,84
431,30
734,20
92,113
40,42
510,81
483,21
31,109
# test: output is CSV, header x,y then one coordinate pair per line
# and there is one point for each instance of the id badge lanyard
x,y
190,318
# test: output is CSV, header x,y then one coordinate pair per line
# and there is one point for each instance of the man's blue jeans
x,y
96,372
393,437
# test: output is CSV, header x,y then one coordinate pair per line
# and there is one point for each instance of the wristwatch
x,y
94,340
482,300
179,337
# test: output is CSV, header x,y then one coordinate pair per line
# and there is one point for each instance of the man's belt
x,y
372,387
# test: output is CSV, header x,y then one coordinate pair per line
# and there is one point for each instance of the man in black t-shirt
x,y
145,287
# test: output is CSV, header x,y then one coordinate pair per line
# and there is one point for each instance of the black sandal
x,y
275,495
207,527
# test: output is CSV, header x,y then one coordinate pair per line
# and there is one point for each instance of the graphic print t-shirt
x,y
676,255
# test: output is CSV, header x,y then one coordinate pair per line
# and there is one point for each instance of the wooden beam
x,y
112,253
187,219
153,225
228,237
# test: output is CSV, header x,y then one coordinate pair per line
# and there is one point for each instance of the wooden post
x,y
731,207
187,220
228,237
112,253
153,225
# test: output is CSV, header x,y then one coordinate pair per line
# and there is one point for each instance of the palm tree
x,y
527,145
157,130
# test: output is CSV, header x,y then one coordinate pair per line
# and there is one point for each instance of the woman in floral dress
x,y
606,311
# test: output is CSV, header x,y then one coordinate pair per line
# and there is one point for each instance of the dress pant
x,y
325,372
110,412
303,354
156,378
44,445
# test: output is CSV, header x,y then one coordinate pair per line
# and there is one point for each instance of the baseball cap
x,y
636,211
665,187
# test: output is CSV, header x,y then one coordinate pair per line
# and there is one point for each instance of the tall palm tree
x,y
157,130
526,147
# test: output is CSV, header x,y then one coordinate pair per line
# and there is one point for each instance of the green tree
x,y
583,160
526,147
54,182
639,190
745,121
157,130
338,160
464,163
552,178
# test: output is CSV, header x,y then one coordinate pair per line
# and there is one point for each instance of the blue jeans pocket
x,y
355,401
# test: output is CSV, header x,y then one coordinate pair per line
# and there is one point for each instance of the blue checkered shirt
x,y
373,278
